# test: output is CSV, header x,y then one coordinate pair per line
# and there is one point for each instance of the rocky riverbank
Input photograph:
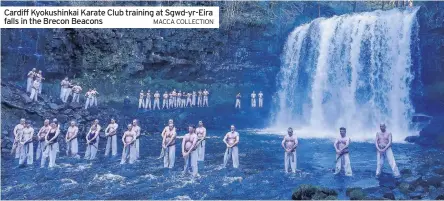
x,y
424,181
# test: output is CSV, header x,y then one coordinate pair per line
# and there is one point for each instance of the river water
x,y
260,176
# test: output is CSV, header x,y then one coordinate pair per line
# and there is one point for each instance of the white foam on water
x,y
229,180
108,177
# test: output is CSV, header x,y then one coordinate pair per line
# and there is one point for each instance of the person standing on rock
x,y
26,145
201,132
129,149
94,94
199,98
41,138
141,99
137,130
384,151
156,100
169,146
64,89
184,99
165,100
189,152
31,75
238,101
253,99
179,99
18,132
231,139
174,98
193,101
342,154
261,99
111,136
171,101
290,143
205,97
51,145
39,77
189,103
76,90
92,141
34,90
148,100
88,97
72,145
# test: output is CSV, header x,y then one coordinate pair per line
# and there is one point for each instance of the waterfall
x,y
351,70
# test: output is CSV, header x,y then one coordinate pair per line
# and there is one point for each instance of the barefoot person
x,y
193,101
189,98
141,99
26,145
94,94
231,139
136,128
111,138
72,145
76,90
261,99
148,100
18,131
165,100
156,100
41,138
170,122
179,99
34,90
169,145
88,97
199,98
189,152
51,145
253,99
205,94
31,75
92,141
238,101
383,144
342,153
174,98
171,101
39,77
290,143
129,149
64,89
201,132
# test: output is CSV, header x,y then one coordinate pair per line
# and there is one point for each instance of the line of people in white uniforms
x,y
67,89
260,98
383,143
192,149
173,99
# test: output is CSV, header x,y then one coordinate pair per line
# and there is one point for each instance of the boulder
x,y
404,187
415,195
411,139
309,192
440,197
54,106
439,171
75,105
357,194
405,172
67,111
389,195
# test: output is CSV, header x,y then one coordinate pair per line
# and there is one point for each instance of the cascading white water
x,y
352,71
